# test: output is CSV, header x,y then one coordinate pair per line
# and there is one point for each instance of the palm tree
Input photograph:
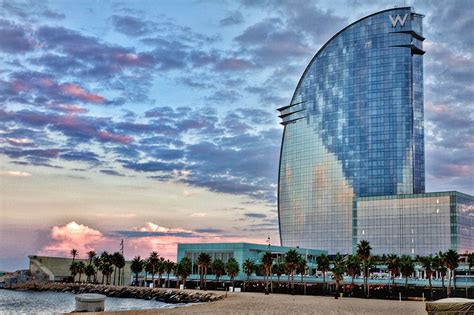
x,y
301,267
91,254
267,261
452,262
74,254
407,268
97,262
427,264
353,267
80,269
107,269
169,267
183,269
73,268
323,266
120,263
393,266
470,261
232,269
176,273
218,267
89,271
338,269
278,268
100,262
152,264
160,268
204,262
248,266
363,252
439,262
291,260
136,267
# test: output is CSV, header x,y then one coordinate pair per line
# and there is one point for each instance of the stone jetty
x,y
162,295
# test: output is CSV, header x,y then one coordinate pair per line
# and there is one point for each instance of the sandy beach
x,y
258,303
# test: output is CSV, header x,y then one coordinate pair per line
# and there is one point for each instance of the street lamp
x,y
271,273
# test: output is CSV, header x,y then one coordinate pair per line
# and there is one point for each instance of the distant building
x,y
10,278
352,163
44,268
241,252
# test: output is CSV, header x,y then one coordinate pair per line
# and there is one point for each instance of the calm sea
x,y
30,302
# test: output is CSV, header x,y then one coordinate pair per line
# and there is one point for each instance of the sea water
x,y
32,302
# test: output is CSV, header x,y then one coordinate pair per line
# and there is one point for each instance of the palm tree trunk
x,y
454,279
449,283
324,282
168,280
153,278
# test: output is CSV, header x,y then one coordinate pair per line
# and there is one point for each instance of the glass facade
x,y
241,252
416,224
353,129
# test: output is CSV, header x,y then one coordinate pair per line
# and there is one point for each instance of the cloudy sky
x,y
155,121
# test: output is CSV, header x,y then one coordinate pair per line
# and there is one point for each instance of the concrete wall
x,y
44,268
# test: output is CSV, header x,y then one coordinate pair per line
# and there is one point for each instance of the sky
x,y
155,121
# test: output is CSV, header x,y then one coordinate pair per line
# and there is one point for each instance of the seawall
x,y
163,295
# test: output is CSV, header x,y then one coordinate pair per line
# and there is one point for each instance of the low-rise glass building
x,y
241,252
415,224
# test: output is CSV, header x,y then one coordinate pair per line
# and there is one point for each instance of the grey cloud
x,y
234,18
255,215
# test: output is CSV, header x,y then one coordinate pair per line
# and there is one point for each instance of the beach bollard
x,y
400,296
90,302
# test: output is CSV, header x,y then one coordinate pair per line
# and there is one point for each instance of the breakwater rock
x,y
163,295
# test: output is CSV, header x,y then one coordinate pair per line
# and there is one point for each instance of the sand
x,y
258,303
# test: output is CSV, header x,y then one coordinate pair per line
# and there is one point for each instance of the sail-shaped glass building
x,y
354,129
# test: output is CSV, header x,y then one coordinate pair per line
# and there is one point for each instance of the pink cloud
x,y
46,82
152,227
234,64
19,142
68,108
80,93
134,59
109,136
83,238
73,235
15,174
19,86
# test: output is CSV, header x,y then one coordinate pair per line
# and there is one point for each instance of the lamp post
x,y
271,274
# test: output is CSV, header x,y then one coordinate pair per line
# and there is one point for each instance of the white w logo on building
x,y
398,19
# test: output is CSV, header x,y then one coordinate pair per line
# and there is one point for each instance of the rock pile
x,y
163,295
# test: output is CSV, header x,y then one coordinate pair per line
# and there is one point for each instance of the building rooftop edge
x,y
412,9
246,243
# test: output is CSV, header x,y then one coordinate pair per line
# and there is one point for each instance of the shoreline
x,y
166,295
